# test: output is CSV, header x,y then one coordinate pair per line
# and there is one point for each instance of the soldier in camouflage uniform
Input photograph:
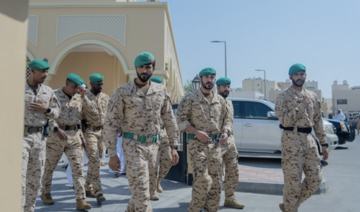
x,y
65,137
299,111
139,107
229,152
164,157
40,105
94,115
204,115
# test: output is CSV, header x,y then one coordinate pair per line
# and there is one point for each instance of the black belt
x,y
306,130
68,127
33,129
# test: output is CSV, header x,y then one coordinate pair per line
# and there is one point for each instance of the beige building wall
x,y
257,85
13,22
123,28
86,63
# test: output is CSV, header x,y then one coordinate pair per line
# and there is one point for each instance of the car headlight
x,y
343,127
329,129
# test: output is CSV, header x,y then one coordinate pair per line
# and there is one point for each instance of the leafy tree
x,y
188,87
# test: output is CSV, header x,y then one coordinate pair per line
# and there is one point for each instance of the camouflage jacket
x,y
230,109
45,94
95,110
71,109
292,113
139,113
210,117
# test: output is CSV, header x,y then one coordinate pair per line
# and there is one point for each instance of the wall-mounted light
x,y
166,66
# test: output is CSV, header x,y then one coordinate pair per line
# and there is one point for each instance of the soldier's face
x,y
144,72
97,87
223,90
298,79
207,81
39,75
70,89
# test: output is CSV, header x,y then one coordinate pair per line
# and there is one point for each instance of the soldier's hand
x,y
202,136
325,152
224,137
81,91
114,163
62,135
305,100
175,157
38,107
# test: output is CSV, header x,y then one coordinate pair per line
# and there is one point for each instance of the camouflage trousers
x,y
206,163
73,151
93,182
32,166
230,159
141,163
299,155
101,147
164,160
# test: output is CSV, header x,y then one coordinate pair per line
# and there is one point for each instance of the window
x,y
236,106
342,101
254,110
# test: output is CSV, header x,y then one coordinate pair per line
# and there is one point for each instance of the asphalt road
x,y
342,171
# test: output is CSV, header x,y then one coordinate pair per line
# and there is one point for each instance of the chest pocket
x,y
214,110
44,98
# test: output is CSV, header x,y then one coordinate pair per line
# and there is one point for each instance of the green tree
x,y
188,87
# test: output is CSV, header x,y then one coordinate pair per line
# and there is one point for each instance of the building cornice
x,y
96,4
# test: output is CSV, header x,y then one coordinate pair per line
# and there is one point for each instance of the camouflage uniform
x,y
358,125
164,158
34,144
230,157
94,114
140,114
213,118
71,110
299,150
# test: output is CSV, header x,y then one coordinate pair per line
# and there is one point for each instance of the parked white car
x,y
257,132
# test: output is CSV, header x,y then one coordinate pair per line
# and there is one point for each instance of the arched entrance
x,y
85,58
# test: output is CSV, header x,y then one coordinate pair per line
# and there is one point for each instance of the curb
x,y
274,188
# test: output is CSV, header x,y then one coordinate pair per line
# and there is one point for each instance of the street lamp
x,y
217,41
196,83
264,81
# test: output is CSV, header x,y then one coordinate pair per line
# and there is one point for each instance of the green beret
x,y
76,79
96,77
207,71
297,67
156,79
223,81
144,58
39,64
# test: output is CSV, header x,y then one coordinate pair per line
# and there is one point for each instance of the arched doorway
x,y
85,60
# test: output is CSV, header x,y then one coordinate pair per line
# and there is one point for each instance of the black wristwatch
x,y
327,145
56,129
174,147
48,110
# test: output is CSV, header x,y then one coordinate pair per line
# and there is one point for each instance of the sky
x,y
272,35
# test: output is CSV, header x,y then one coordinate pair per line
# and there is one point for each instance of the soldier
x,y
358,124
94,115
229,152
164,157
204,116
139,107
299,111
65,137
40,105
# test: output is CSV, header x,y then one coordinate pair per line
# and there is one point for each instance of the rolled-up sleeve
x,y
113,118
318,123
228,120
184,113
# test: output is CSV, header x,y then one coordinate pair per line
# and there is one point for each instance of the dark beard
x,y
297,85
205,86
224,94
144,79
